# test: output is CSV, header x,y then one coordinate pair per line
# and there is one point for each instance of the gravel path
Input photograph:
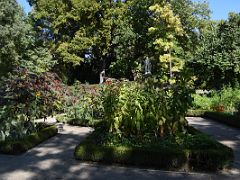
x,y
54,159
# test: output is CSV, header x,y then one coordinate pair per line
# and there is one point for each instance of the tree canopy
x,y
217,61
19,45
112,35
12,35
78,39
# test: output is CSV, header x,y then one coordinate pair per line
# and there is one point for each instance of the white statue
x,y
148,66
102,76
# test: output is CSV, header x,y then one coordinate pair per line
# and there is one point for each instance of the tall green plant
x,y
138,108
12,35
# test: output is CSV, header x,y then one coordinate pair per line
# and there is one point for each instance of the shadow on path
x,y
54,159
224,134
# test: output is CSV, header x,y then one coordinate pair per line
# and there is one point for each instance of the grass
x,y
15,147
193,151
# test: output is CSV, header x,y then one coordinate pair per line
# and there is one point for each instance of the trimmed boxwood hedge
x,y
164,157
195,113
222,117
77,122
82,123
15,147
226,118
161,158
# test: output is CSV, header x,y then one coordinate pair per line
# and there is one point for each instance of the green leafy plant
x,y
202,102
138,108
216,62
225,99
237,107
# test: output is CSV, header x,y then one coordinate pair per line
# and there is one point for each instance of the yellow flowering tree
x,y
166,27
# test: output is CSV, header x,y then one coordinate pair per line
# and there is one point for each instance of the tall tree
x,y
163,35
12,35
193,17
217,62
108,34
19,46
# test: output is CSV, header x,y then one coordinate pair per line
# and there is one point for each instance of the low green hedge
x,y
161,158
200,153
226,118
222,117
15,147
195,113
77,122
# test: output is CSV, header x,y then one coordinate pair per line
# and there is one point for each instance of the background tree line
x,y
217,59
78,39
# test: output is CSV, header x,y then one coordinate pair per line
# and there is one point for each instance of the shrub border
x,y
196,113
12,147
232,120
78,122
166,158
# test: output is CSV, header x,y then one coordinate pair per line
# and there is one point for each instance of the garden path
x,y
54,159
223,133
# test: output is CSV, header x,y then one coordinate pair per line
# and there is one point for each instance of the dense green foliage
x,y
78,39
135,108
12,35
217,61
192,151
195,113
19,45
27,92
83,105
222,106
226,99
22,145
114,35
25,97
